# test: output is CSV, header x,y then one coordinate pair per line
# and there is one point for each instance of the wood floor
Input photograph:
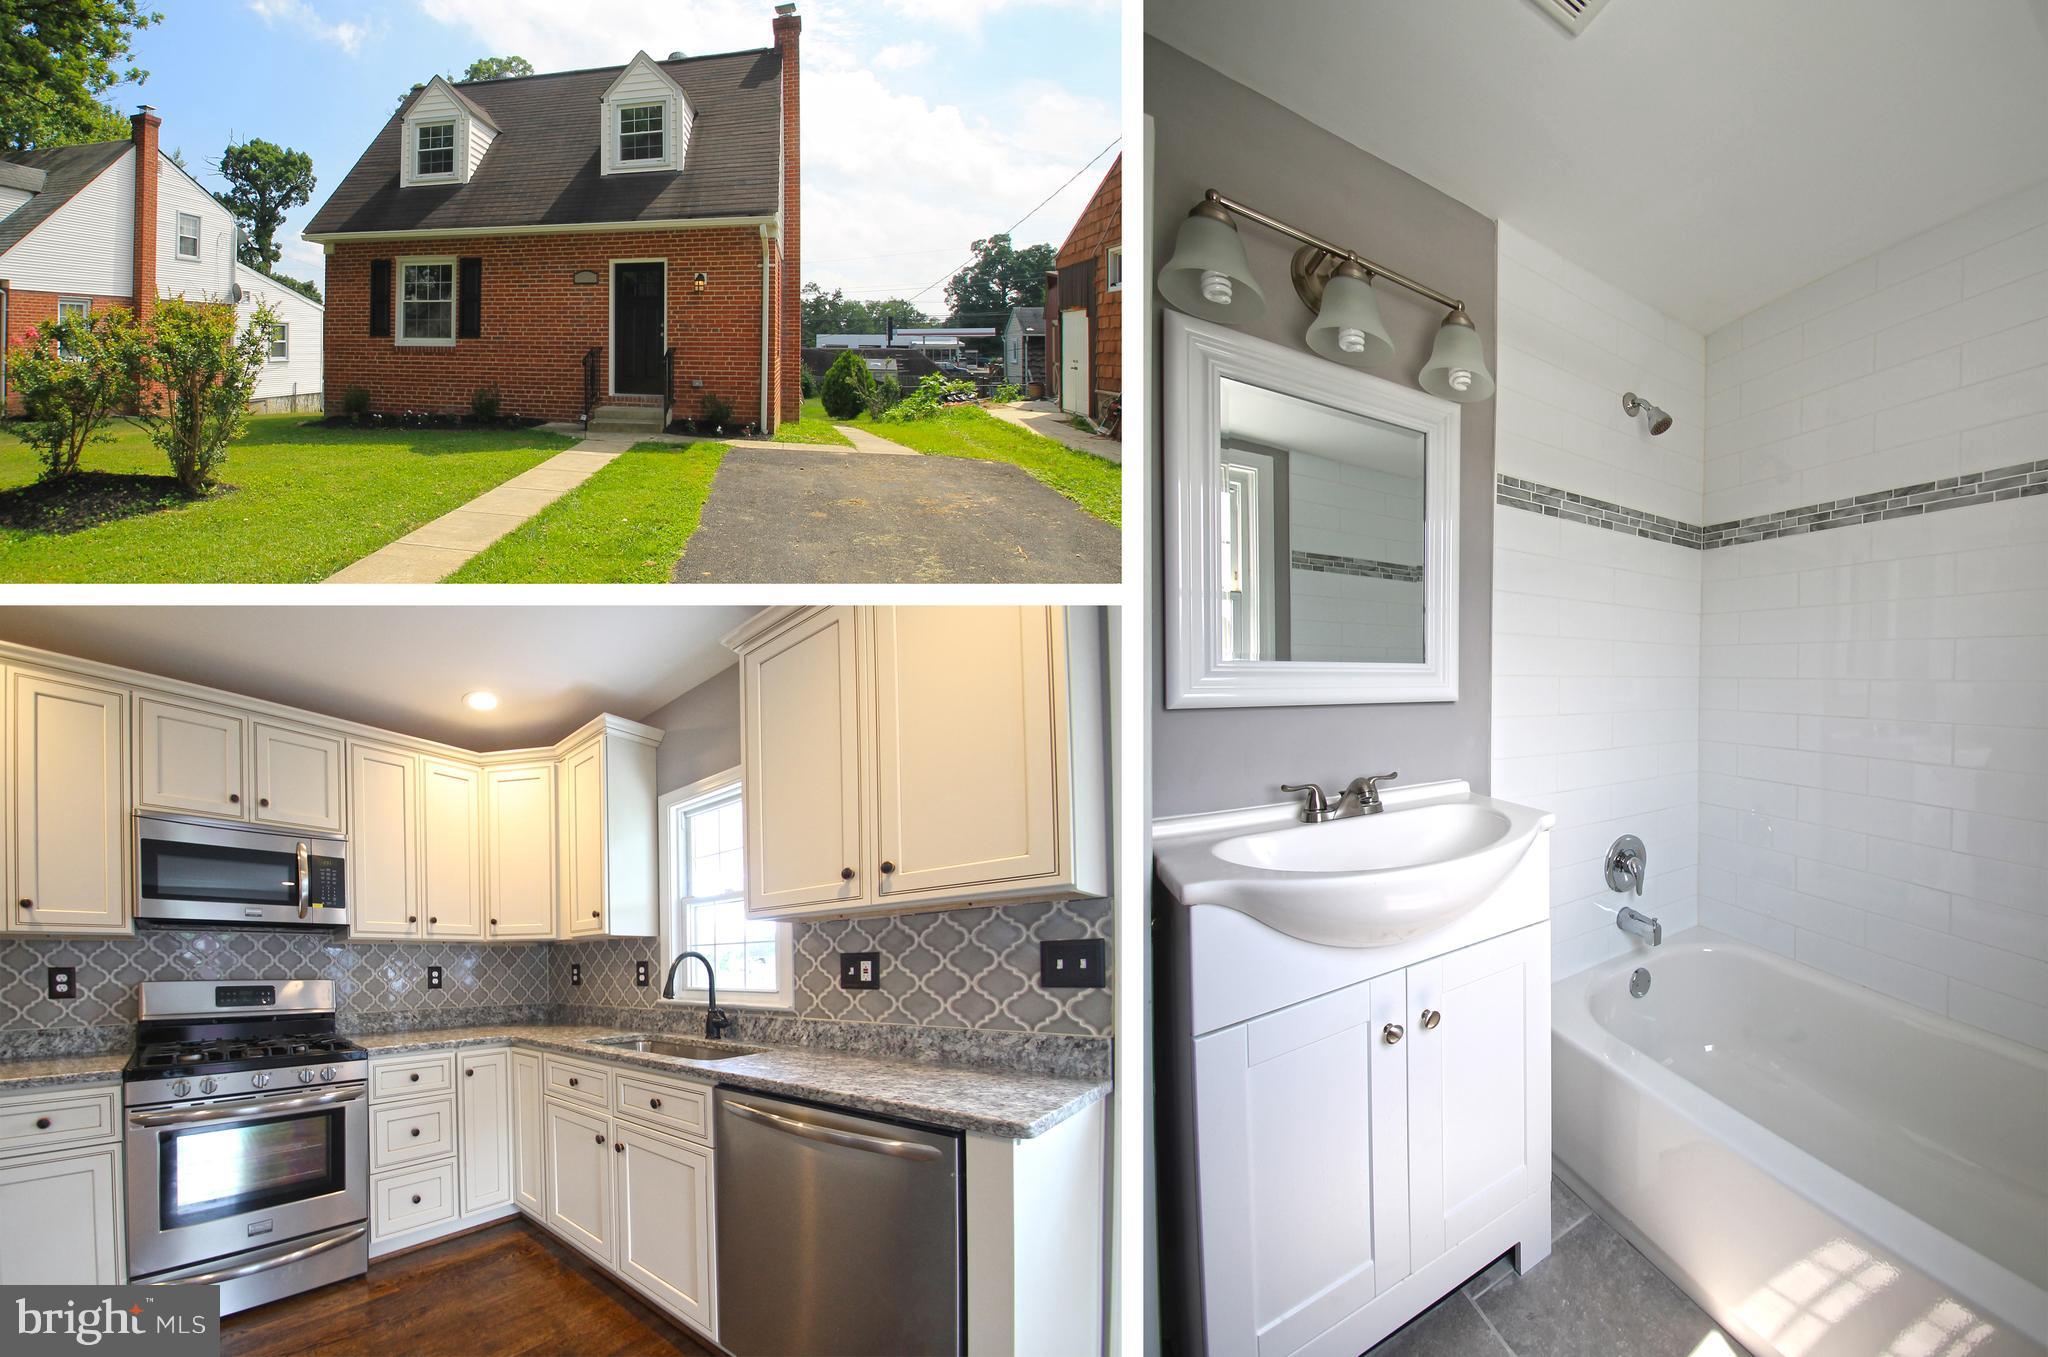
x,y
507,1291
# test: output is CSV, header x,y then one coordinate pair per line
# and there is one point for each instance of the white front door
x,y
1074,365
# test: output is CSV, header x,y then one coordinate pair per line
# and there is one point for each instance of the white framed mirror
x,y
1311,529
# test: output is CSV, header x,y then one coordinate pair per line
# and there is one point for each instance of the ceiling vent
x,y
1573,14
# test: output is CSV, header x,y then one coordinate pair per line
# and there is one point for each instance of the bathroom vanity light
x,y
1209,276
480,700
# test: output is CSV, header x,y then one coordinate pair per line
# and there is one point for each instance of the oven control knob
x,y
261,1079
182,1088
305,1076
209,1085
327,1075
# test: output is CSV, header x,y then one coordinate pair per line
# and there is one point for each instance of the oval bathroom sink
x,y
1435,852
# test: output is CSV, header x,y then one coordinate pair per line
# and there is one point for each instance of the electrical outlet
x,y
640,974
575,972
63,982
1078,963
860,970
433,977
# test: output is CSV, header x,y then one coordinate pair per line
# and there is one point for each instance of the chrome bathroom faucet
x,y
1637,924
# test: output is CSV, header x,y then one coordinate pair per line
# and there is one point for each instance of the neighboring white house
x,y
68,244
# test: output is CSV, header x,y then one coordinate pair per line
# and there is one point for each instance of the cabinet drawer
x,y
414,1076
578,1082
412,1200
51,1118
405,1133
664,1104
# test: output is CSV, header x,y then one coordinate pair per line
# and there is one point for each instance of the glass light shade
x,y
1208,275
1348,329
1457,365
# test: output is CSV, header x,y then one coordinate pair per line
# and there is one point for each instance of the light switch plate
x,y
1077,963
860,970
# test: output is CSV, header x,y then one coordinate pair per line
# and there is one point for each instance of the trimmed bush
x,y
73,374
847,386
484,403
197,374
717,410
355,402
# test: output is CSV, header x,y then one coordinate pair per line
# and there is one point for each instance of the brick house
x,y
614,245
1084,332
68,246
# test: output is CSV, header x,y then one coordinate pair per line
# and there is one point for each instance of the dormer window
x,y
641,132
434,154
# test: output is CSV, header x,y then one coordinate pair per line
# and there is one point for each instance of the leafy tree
x,y
197,374
298,285
847,386
56,58
999,278
497,68
178,157
834,313
73,374
265,181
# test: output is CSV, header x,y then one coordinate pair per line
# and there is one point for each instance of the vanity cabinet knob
x,y
888,867
415,1199
654,1103
846,873
42,1123
1430,1018
1392,1033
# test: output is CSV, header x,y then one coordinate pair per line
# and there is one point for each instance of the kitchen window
x,y
426,301
435,153
188,235
71,308
280,343
703,869
641,132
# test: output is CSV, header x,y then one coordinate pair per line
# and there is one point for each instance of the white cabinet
x,y
485,1117
188,757
913,758
73,1199
67,805
579,1177
519,850
451,849
529,1137
298,778
607,836
663,1221
383,846
1348,1142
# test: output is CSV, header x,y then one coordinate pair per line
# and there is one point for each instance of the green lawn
x,y
627,524
964,431
305,501
814,427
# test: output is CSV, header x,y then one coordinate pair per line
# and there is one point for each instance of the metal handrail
x,y
668,388
590,383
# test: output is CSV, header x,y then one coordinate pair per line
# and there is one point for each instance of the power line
x,y
1026,217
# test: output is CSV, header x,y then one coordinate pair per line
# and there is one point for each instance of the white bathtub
x,y
1828,1171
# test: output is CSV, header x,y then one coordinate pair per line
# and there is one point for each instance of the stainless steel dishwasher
x,y
837,1234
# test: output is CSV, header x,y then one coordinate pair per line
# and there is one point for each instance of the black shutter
x,y
380,299
469,300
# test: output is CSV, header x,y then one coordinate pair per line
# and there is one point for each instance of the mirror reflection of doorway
x,y
1255,532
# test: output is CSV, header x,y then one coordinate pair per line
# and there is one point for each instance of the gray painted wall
x,y
702,732
1210,132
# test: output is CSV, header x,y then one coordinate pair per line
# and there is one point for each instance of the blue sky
x,y
927,123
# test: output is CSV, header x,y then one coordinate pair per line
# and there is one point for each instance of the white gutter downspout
x,y
766,261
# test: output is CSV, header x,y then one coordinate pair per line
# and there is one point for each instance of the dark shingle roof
x,y
21,177
544,168
66,170
1031,319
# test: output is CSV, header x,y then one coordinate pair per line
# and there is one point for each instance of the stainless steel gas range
x,y
247,1142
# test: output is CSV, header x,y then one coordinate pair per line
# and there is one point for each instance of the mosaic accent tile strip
x,y
1324,563
2020,480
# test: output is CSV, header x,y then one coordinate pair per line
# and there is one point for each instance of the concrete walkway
x,y
1049,421
430,553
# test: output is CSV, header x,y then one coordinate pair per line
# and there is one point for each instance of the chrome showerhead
x,y
1633,405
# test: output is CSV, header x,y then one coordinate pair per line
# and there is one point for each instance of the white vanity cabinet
x,y
915,758
67,800
60,1168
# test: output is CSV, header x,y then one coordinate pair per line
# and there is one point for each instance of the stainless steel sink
x,y
684,1048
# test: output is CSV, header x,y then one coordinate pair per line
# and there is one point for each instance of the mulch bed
x,y
423,421
88,499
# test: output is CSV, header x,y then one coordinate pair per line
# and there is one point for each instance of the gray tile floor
x,y
1595,1296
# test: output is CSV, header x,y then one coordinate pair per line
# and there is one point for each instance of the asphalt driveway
x,y
836,515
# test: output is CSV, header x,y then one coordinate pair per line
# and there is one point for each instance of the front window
x,y
280,343
640,132
188,235
426,296
71,308
704,858
1115,269
436,153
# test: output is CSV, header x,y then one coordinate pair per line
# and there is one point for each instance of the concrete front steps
x,y
626,419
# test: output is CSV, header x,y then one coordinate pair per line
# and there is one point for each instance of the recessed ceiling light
x,y
480,700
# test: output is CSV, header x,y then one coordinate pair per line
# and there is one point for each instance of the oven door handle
x,y
263,1263
305,881
229,1111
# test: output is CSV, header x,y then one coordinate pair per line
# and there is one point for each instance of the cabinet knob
x,y
42,1123
888,867
469,1074
654,1102
433,918
262,800
846,873
234,798
618,1147
415,1078
1392,1033
600,1140
28,904
415,1199
494,923
1430,1018
412,918
593,914
572,1081
415,1133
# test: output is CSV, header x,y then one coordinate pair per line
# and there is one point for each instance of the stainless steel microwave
x,y
195,871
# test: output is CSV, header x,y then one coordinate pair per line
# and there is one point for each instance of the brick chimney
x,y
147,165
790,277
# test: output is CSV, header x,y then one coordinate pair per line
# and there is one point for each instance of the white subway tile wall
x,y
1597,632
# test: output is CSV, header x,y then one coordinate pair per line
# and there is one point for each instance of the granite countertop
x,y
50,1071
990,1102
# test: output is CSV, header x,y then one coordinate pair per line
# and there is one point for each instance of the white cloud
x,y
896,182
343,34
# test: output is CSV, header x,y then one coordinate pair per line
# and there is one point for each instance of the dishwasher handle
x,y
897,1149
